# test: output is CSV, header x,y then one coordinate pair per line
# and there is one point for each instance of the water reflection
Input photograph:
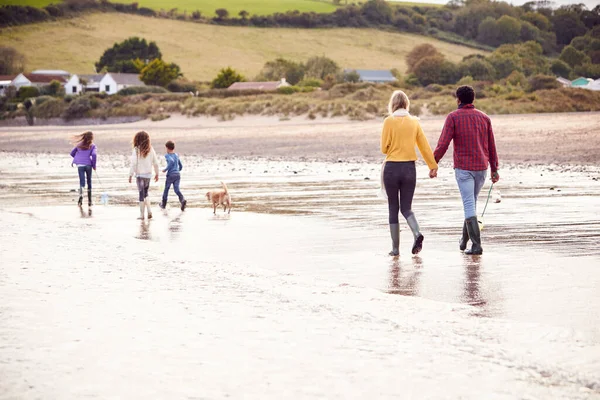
x,y
175,227
407,283
472,293
84,214
144,231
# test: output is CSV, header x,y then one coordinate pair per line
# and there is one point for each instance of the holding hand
x,y
495,177
129,178
156,178
433,173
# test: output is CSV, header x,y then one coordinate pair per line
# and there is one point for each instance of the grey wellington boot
x,y
462,244
414,227
475,235
395,234
147,201
80,201
142,209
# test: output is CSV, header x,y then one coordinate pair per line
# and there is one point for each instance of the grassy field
x,y
208,7
201,50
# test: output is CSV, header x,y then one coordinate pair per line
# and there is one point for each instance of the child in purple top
x,y
84,157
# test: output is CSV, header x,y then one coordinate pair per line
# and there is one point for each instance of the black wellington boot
x,y
395,234
90,197
462,244
475,236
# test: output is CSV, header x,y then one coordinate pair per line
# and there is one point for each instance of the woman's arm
x,y
425,148
73,152
94,155
134,161
386,136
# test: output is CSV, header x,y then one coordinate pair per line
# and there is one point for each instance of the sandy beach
x,y
293,294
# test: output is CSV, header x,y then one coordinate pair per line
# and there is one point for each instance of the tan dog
x,y
220,198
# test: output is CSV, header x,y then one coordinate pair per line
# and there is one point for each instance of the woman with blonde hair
x,y
84,157
143,160
401,133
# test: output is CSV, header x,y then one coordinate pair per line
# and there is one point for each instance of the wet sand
x,y
293,295
569,138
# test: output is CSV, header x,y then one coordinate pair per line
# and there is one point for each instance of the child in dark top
x,y
173,176
84,156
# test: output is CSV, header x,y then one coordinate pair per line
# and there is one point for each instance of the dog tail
x,y
224,187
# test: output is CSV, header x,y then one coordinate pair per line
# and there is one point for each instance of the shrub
x,y
310,82
78,108
320,67
159,73
479,69
517,78
181,86
588,70
26,92
465,80
561,68
226,77
351,76
542,82
274,70
128,91
49,107
288,89
573,57
420,52
53,89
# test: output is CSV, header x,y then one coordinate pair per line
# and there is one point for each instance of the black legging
x,y
400,179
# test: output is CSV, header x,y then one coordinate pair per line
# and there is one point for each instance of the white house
x,y
5,81
37,80
564,82
112,82
595,85
83,83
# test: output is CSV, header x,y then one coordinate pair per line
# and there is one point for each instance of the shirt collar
x,y
467,106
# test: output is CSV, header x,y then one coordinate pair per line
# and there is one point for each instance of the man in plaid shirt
x,y
474,149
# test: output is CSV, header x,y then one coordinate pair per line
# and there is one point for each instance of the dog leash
x,y
488,199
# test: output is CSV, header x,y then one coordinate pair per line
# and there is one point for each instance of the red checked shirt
x,y
474,145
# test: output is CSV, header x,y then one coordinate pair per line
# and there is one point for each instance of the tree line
x,y
472,22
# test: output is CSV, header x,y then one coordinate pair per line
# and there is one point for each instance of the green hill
x,y
208,7
201,49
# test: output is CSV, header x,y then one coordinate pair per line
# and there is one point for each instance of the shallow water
x,y
293,295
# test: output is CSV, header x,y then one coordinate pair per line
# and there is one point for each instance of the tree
x,y
560,68
488,32
536,19
573,57
567,26
529,32
418,53
435,69
226,77
509,29
119,58
53,89
244,14
11,61
377,11
159,73
221,13
320,67
274,70
588,70
351,76
477,68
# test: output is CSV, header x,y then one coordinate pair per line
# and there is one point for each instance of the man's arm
x,y
493,154
445,139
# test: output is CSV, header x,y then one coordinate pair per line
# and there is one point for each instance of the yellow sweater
x,y
399,137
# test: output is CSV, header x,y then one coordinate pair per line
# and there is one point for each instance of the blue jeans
x,y
85,172
469,185
172,179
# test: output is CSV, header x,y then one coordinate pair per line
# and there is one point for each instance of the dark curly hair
x,y
465,94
